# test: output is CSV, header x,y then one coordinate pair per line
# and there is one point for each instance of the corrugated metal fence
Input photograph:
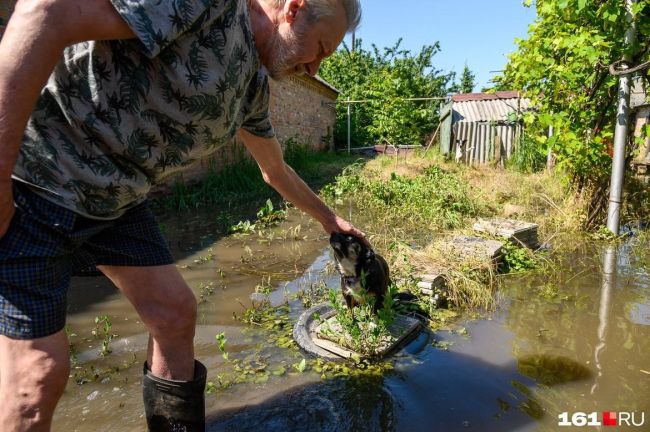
x,y
484,127
479,143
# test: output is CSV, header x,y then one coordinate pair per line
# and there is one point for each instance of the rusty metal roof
x,y
466,97
326,84
486,107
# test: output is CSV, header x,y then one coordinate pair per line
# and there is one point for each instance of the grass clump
x,y
359,328
433,200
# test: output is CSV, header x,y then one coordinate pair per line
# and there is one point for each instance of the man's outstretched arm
x,y
281,177
32,45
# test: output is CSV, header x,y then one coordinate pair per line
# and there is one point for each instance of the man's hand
x,y
342,226
6,207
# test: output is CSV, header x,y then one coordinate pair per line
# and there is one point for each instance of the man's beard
x,y
285,49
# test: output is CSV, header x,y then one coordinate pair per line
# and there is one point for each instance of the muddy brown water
x,y
576,341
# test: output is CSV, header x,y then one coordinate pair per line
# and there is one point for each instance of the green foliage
x,y
360,328
434,200
221,341
301,366
563,68
242,182
243,227
467,82
386,78
267,217
528,156
517,259
102,329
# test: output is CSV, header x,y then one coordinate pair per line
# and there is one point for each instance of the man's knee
x,y
37,382
174,317
45,378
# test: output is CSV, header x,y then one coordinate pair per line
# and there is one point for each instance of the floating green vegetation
x,y
312,294
276,322
221,340
90,373
102,330
359,328
206,290
267,217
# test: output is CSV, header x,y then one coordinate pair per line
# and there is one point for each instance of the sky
x,y
477,32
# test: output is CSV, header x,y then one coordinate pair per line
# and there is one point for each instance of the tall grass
x,y
242,182
527,157
433,200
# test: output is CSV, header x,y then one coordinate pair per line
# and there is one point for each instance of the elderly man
x,y
99,100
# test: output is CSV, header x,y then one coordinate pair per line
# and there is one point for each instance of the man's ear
x,y
292,8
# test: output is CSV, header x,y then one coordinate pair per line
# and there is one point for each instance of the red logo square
x,y
609,418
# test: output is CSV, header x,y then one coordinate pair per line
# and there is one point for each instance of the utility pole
x,y
620,133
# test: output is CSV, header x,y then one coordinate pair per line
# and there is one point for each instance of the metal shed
x,y
482,127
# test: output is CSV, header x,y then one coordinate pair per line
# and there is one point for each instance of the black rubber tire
x,y
306,324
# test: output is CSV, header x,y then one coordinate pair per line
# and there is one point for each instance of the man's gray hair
x,y
326,8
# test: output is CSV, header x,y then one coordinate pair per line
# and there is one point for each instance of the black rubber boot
x,y
175,406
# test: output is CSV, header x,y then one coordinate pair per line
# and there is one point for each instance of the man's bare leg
x,y
167,308
33,375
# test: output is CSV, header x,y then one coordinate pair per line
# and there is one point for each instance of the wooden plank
x,y
334,348
399,330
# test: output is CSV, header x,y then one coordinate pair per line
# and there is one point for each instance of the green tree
x,y
467,80
386,78
563,68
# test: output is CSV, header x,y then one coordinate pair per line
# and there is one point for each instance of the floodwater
x,y
574,341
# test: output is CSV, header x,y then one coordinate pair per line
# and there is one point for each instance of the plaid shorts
x,y
47,244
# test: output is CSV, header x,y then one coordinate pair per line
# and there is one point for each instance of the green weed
x,y
516,258
221,341
267,217
102,330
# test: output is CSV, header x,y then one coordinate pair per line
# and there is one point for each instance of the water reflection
x,y
551,370
609,281
341,404
585,346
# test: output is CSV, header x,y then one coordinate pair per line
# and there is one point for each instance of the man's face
x,y
299,46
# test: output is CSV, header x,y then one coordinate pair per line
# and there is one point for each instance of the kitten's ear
x,y
370,254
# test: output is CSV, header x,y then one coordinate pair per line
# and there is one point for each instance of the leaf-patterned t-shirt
x,y
118,116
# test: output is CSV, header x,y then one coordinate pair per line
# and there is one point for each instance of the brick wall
x,y
301,108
